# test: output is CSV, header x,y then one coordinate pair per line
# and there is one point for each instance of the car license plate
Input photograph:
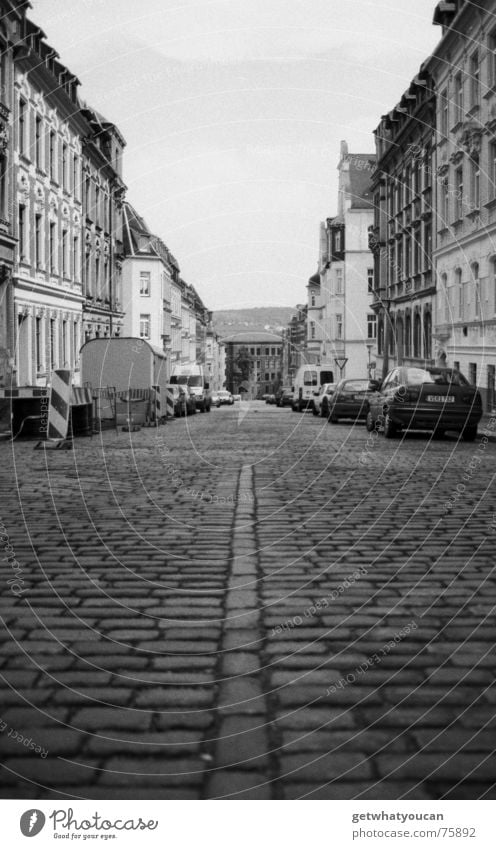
x,y
441,399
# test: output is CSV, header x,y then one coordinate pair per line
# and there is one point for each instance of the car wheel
x,y
207,408
202,408
314,411
294,408
370,422
469,434
389,427
333,418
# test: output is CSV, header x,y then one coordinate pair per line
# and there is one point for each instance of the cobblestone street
x,y
253,605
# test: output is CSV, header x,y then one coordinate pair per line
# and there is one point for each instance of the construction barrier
x,y
157,405
169,403
59,407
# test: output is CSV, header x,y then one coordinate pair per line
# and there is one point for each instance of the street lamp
x,y
369,346
386,305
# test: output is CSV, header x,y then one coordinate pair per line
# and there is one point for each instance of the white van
x,y
192,375
307,383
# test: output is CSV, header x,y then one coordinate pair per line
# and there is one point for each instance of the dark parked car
x,y
350,400
436,399
284,397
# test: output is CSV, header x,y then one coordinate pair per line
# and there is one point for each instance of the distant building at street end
x,y
294,345
253,363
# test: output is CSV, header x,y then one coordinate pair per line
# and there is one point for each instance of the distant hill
x,y
271,319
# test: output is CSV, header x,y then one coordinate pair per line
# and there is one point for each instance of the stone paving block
x,y
230,784
144,743
241,695
242,742
174,696
99,717
435,766
347,766
359,790
51,771
143,771
312,718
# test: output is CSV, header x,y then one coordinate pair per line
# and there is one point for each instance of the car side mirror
x,y
207,386
375,385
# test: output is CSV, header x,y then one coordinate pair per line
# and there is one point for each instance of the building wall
x,y
264,372
465,188
143,313
47,276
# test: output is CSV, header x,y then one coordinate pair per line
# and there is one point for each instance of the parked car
x,y
284,397
321,402
236,397
435,399
184,400
215,398
270,399
224,397
350,400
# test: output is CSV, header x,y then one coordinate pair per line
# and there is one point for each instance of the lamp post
x,y
369,346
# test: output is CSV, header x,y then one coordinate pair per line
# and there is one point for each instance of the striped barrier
x,y
59,407
157,405
169,404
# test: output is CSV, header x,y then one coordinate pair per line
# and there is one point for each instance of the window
x,y
52,249
64,166
475,185
417,336
22,125
408,253
444,114
97,278
408,336
273,351
458,98
258,352
37,241
492,170
370,279
444,205
475,275
64,253
427,335
339,326
339,281
475,78
312,330
21,227
75,176
75,341
144,326
87,195
427,243
312,299
492,60
459,194
52,158
338,241
472,373
52,344
145,283
459,290
446,297
97,205
75,257
267,352
371,326
38,153
39,348
267,376
64,344
252,351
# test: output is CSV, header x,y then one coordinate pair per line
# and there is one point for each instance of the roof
x,y
246,337
362,166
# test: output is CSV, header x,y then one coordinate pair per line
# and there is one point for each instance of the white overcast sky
x,y
233,111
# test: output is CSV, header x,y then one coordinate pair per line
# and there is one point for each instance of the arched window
x,y
445,299
476,284
313,299
427,335
417,336
408,335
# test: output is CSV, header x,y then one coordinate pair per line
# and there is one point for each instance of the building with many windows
x,y
253,363
463,68
401,236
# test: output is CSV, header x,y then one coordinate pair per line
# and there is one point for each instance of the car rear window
x,y
443,377
310,378
355,385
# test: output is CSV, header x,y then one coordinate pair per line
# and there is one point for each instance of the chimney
x,y
344,149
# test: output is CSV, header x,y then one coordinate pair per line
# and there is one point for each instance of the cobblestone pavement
x,y
258,606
